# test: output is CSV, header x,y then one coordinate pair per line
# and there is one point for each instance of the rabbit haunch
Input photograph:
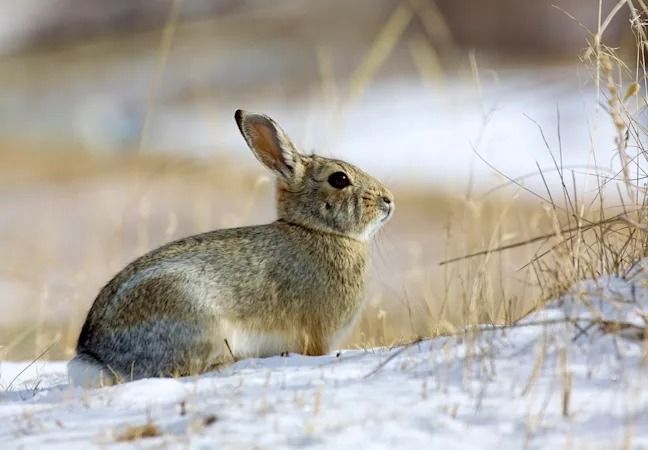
x,y
294,285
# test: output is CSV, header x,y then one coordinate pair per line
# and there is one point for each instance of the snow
x,y
429,135
546,383
423,135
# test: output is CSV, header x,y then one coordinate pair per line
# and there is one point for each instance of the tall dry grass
x,y
604,233
79,218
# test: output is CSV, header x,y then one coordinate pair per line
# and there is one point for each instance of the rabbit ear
x,y
270,144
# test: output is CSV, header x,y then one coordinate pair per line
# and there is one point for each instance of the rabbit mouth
x,y
388,214
375,225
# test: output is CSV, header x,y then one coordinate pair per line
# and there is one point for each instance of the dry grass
x,y
585,226
604,233
138,432
80,218
75,219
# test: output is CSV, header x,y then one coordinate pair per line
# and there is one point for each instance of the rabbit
x,y
292,286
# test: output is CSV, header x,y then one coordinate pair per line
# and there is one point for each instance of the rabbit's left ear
x,y
270,144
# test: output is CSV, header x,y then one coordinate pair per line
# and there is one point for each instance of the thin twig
x,y
393,356
229,349
29,365
528,241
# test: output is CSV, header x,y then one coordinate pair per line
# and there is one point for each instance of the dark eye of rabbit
x,y
339,180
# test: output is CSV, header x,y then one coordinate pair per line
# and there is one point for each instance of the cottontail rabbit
x,y
295,285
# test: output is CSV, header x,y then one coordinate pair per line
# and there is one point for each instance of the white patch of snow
x,y
148,392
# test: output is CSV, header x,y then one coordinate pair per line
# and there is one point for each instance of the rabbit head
x,y
319,193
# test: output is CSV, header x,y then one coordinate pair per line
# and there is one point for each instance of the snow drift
x,y
570,374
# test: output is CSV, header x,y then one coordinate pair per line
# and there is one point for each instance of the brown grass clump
x,y
593,232
606,234
137,432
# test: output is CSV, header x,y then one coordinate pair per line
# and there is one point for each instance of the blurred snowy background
x,y
355,79
116,132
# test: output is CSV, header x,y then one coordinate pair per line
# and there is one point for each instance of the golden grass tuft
x,y
137,432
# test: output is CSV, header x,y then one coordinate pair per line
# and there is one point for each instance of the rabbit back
x,y
224,295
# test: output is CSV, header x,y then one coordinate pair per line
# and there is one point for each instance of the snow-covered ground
x,y
566,377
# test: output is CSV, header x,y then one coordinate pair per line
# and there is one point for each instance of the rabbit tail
x,y
87,370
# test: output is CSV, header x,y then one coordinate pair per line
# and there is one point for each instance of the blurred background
x,y
117,134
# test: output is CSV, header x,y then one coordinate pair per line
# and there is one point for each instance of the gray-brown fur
x,y
293,285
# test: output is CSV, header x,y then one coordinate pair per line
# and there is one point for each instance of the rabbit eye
x,y
339,180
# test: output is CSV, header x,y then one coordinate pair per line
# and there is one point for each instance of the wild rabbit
x,y
294,285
